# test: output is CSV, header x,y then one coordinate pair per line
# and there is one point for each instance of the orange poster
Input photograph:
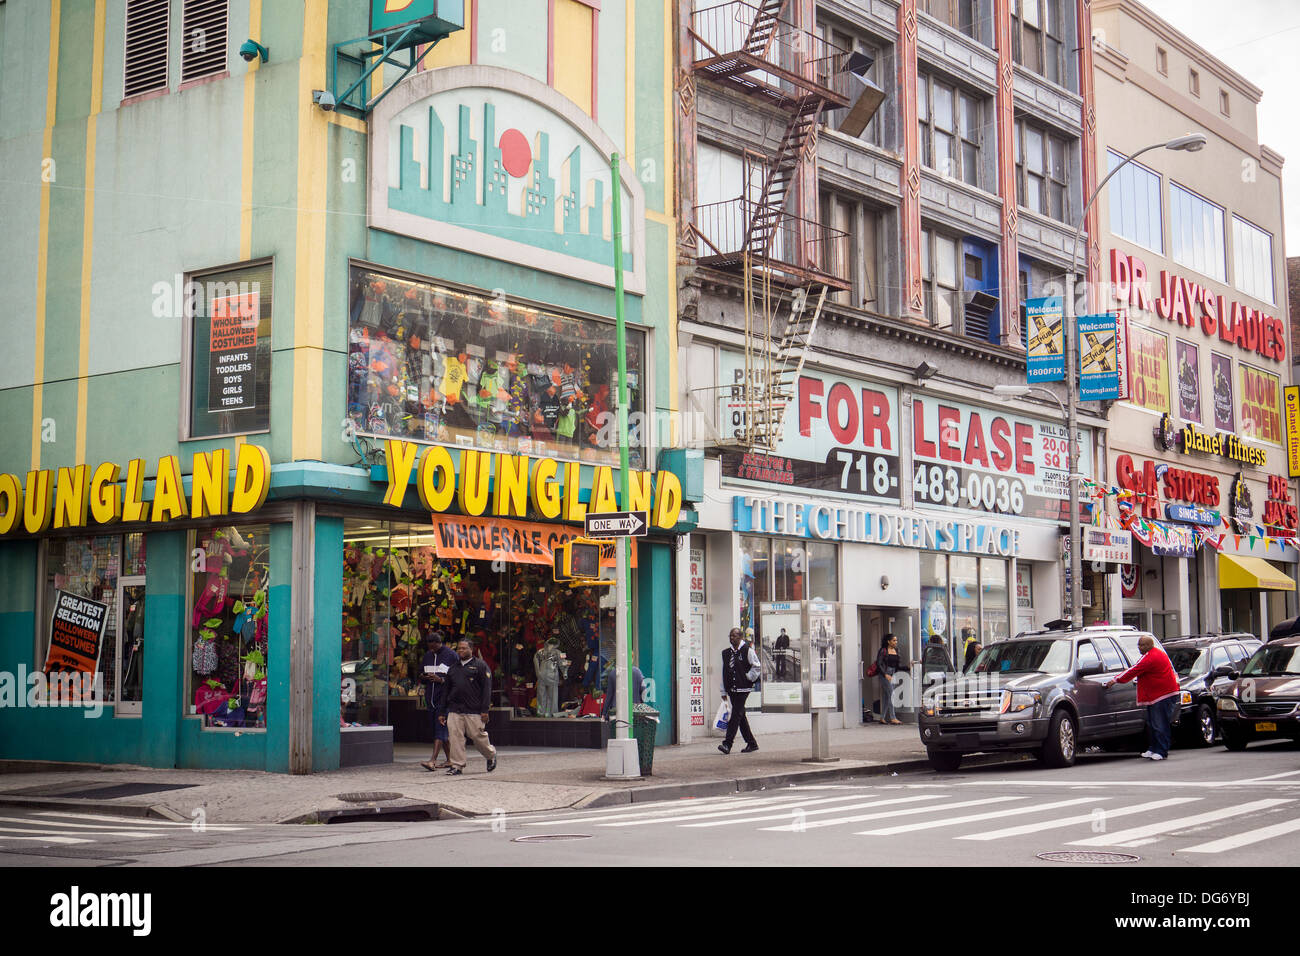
x,y
1261,405
498,539
1148,366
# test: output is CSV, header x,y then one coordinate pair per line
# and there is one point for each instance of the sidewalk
x,y
526,779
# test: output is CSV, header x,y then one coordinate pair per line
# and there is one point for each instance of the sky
x,y
1258,39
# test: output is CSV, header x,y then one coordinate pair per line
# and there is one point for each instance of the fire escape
x,y
788,263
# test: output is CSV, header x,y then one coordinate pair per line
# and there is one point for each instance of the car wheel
x,y
1203,729
944,761
1234,739
1062,738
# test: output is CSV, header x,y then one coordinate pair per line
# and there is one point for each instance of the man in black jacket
x,y
740,668
469,697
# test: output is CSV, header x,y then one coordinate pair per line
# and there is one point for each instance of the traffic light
x,y
577,561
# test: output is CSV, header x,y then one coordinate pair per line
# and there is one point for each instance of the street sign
x,y
617,524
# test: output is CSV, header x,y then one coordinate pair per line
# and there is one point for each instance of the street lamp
x,y
1189,143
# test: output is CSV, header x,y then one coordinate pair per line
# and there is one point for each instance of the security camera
x,y
324,99
250,50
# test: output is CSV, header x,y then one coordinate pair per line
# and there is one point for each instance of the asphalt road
x,y
1199,808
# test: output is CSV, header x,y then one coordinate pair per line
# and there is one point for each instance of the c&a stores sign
x,y
518,486
82,495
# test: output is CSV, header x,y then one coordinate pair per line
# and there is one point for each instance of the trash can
x,y
645,723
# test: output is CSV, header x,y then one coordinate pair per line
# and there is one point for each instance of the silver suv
x,y
1041,690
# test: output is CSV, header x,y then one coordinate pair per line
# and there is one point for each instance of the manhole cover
x,y
369,796
1087,856
551,837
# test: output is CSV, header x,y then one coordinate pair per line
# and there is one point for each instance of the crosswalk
x,y
1087,819
55,828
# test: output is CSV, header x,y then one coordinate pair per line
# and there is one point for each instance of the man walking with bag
x,y
740,668
468,700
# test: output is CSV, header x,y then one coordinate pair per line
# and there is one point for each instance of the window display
x,y
963,601
429,363
92,568
546,644
229,624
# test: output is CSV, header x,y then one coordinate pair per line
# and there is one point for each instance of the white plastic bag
x,y
723,716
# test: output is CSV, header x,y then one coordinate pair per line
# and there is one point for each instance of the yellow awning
x,y
1237,571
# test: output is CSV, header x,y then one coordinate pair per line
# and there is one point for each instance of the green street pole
x,y
623,714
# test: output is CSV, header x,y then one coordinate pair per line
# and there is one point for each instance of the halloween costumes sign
x,y
232,348
76,633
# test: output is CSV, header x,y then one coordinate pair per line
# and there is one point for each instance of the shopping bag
x,y
723,716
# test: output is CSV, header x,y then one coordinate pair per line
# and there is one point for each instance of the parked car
x,y
1202,661
1262,701
1041,691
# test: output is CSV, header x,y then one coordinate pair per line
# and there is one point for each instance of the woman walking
x,y
887,664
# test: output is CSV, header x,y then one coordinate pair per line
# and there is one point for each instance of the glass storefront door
x,y
128,624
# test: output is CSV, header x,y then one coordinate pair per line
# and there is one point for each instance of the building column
x,y
1009,257
912,304
301,636
1183,601
685,129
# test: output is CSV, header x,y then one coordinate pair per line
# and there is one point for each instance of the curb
x,y
414,811
157,811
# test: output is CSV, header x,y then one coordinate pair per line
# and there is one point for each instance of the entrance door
x,y
873,625
128,670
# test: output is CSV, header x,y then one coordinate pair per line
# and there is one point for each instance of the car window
x,y
1129,644
1087,654
1110,656
1218,657
1274,660
1188,661
1023,656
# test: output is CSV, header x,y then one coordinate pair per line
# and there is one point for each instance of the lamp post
x,y
1188,143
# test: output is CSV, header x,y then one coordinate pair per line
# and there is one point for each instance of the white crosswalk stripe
x,y
800,826
1245,839
638,810
1109,814
746,812
1136,836
56,827
141,821
798,810
973,817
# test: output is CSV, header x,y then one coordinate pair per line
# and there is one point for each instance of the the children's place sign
x,y
518,486
82,495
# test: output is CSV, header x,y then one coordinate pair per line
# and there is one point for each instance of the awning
x,y
1238,571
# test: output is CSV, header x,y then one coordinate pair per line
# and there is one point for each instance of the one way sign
x,y
617,524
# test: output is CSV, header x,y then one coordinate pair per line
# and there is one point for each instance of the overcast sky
x,y
1258,39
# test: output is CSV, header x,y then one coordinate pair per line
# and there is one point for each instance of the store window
x,y
1042,171
431,363
108,569
949,131
228,371
1135,204
995,611
755,579
227,649
397,589
963,600
785,569
1252,260
1196,232
823,571
963,575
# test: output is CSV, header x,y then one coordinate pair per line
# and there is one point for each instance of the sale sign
x,y
1148,365
985,459
839,434
232,344
76,633
1261,405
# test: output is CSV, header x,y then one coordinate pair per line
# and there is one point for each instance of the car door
x,y
1090,695
1121,699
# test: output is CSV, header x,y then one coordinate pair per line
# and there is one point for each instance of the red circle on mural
x,y
515,154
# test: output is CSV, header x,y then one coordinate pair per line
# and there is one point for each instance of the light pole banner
x,y
1044,339
1098,358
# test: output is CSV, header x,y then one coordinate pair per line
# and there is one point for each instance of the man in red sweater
x,y
1157,690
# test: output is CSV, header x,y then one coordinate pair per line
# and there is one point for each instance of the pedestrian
x,y
1158,691
469,696
972,651
439,660
611,689
887,665
740,668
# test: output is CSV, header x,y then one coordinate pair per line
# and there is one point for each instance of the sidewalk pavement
x,y
526,779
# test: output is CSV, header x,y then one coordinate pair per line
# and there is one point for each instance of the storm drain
x,y
1087,856
369,796
551,837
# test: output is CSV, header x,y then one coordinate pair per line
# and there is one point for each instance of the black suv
x,y
1262,700
1041,690
1201,661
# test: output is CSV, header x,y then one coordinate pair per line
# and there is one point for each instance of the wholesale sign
x,y
1261,409
232,347
839,435
982,459
1098,365
1044,343
1148,363
1293,431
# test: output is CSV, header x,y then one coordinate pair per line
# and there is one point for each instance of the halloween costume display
x,y
437,365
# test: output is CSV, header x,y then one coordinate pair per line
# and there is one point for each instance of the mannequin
x,y
547,663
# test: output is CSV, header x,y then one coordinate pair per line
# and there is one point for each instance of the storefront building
x,y
1192,259
348,380
852,283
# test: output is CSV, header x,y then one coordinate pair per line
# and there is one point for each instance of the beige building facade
x,y
1190,253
